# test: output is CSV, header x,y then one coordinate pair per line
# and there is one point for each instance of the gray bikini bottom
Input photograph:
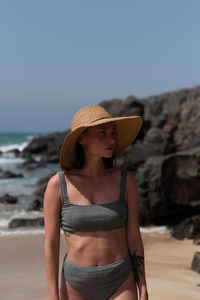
x,y
97,282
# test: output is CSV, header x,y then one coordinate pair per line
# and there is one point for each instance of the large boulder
x,y
24,222
7,199
165,127
36,205
32,164
169,187
188,228
9,174
15,151
48,145
196,262
180,107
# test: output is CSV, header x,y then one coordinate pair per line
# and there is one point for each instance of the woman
x,y
97,207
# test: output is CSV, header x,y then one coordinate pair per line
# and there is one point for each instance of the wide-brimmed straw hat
x,y
127,129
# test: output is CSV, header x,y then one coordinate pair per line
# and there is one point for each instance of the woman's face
x,y
99,140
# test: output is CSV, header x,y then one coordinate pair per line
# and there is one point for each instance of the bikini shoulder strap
x,y
123,183
63,187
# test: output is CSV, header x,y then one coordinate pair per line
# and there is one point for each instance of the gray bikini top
x,y
104,216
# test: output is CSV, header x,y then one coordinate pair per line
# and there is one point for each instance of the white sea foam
x,y
9,158
21,232
17,213
4,223
154,229
13,232
20,147
7,216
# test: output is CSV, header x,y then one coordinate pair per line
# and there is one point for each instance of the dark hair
x,y
79,159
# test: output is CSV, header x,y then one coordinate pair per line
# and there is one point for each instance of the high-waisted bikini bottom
x,y
97,282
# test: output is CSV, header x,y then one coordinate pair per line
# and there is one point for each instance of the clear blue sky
x,y
58,56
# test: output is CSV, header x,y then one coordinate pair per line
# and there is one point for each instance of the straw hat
x,y
127,129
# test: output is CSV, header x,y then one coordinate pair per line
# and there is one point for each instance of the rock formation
x,y
165,157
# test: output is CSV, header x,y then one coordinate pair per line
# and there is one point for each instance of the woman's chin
x,y
108,155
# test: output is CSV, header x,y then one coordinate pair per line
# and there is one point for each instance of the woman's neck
x,y
93,167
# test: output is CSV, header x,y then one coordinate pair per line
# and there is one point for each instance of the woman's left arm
x,y
135,244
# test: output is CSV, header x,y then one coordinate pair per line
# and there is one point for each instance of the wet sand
x,y
168,261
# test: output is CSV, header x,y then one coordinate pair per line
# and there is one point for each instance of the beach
x,y
168,272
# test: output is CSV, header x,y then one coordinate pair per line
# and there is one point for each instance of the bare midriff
x,y
97,248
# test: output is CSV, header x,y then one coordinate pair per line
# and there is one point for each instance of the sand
x,y
168,271
168,261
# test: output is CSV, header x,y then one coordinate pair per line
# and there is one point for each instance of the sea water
x,y
21,187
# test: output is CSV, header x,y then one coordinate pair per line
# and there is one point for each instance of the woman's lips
x,y
110,148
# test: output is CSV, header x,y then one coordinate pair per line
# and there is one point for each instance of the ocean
x,y
22,187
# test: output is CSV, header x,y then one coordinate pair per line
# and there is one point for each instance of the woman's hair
x,y
79,159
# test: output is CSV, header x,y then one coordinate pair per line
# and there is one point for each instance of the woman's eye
x,y
113,133
102,132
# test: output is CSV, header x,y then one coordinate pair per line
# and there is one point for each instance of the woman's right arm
x,y
52,206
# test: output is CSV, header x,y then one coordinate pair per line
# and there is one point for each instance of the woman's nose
x,y
111,139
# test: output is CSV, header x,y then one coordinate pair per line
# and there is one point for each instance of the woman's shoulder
x,y
54,181
52,193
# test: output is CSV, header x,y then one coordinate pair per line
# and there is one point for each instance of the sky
x,y
59,56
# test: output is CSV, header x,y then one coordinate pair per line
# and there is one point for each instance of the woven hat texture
x,y
127,129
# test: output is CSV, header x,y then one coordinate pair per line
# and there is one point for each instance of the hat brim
x,y
127,129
